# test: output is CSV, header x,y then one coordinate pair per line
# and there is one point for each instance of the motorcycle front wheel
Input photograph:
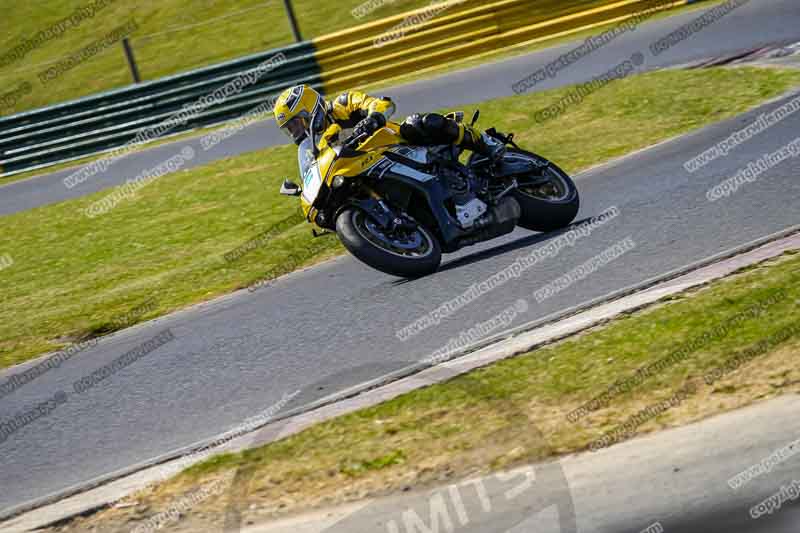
x,y
407,254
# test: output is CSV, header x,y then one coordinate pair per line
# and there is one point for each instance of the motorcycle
x,y
398,207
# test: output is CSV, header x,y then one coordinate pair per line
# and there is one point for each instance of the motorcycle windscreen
x,y
312,183
309,171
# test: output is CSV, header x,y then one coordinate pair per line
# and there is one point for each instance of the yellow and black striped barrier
x,y
460,29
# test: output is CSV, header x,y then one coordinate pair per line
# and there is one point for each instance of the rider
x,y
301,108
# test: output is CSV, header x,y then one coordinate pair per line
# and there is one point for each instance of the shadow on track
x,y
517,244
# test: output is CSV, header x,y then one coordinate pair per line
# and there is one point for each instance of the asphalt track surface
x,y
335,325
755,24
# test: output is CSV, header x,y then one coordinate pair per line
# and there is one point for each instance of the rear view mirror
x,y
458,116
290,188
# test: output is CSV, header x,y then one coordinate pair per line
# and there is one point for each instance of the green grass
x,y
172,36
521,404
73,275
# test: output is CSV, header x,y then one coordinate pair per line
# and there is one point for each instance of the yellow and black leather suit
x,y
301,109
352,108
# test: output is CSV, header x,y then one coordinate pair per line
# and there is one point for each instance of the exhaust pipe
x,y
499,220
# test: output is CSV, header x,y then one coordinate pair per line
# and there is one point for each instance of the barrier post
x,y
126,45
292,20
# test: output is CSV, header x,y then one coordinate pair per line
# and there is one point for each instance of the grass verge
x,y
73,277
744,331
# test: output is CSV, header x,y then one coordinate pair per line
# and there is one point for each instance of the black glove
x,y
370,125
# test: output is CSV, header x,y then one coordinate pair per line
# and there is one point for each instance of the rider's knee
x,y
440,128
411,129
429,129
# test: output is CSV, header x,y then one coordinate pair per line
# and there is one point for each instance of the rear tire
x,y
367,243
551,208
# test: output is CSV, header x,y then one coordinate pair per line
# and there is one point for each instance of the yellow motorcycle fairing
x,y
330,163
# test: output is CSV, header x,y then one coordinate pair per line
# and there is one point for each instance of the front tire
x,y
407,256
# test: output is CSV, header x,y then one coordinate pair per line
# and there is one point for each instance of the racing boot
x,y
481,143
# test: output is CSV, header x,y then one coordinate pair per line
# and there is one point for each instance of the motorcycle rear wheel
x,y
547,207
407,255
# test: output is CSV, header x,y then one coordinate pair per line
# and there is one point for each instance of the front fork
x,y
377,208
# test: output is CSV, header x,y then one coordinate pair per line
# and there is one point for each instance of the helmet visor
x,y
296,129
